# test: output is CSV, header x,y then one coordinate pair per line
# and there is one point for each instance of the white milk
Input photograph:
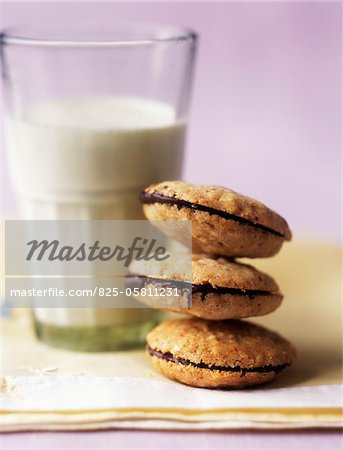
x,y
88,159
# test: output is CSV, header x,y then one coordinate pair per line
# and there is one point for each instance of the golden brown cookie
x,y
224,222
226,354
220,289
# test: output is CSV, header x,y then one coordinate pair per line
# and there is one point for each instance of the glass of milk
x,y
92,117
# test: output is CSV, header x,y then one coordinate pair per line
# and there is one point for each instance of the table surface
x,y
309,439
247,439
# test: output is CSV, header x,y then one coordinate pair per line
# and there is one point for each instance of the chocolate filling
x,y
146,197
186,362
140,281
207,288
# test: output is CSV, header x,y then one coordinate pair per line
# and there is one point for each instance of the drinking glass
x,y
92,117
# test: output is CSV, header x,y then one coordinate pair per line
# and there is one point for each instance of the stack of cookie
x,y
214,349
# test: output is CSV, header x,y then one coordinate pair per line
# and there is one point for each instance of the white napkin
x,y
49,401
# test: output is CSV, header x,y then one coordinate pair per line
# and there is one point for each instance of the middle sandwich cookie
x,y
221,289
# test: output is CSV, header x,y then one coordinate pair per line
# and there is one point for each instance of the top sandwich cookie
x,y
224,222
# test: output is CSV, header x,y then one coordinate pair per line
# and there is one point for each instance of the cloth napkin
x,y
83,401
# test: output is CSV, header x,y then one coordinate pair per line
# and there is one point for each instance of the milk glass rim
x,y
162,33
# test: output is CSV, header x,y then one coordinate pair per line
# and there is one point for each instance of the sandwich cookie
x,y
224,222
219,290
226,354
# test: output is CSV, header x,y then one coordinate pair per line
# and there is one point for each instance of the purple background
x,y
265,116
232,440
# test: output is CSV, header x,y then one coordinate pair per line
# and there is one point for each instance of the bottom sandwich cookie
x,y
211,354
